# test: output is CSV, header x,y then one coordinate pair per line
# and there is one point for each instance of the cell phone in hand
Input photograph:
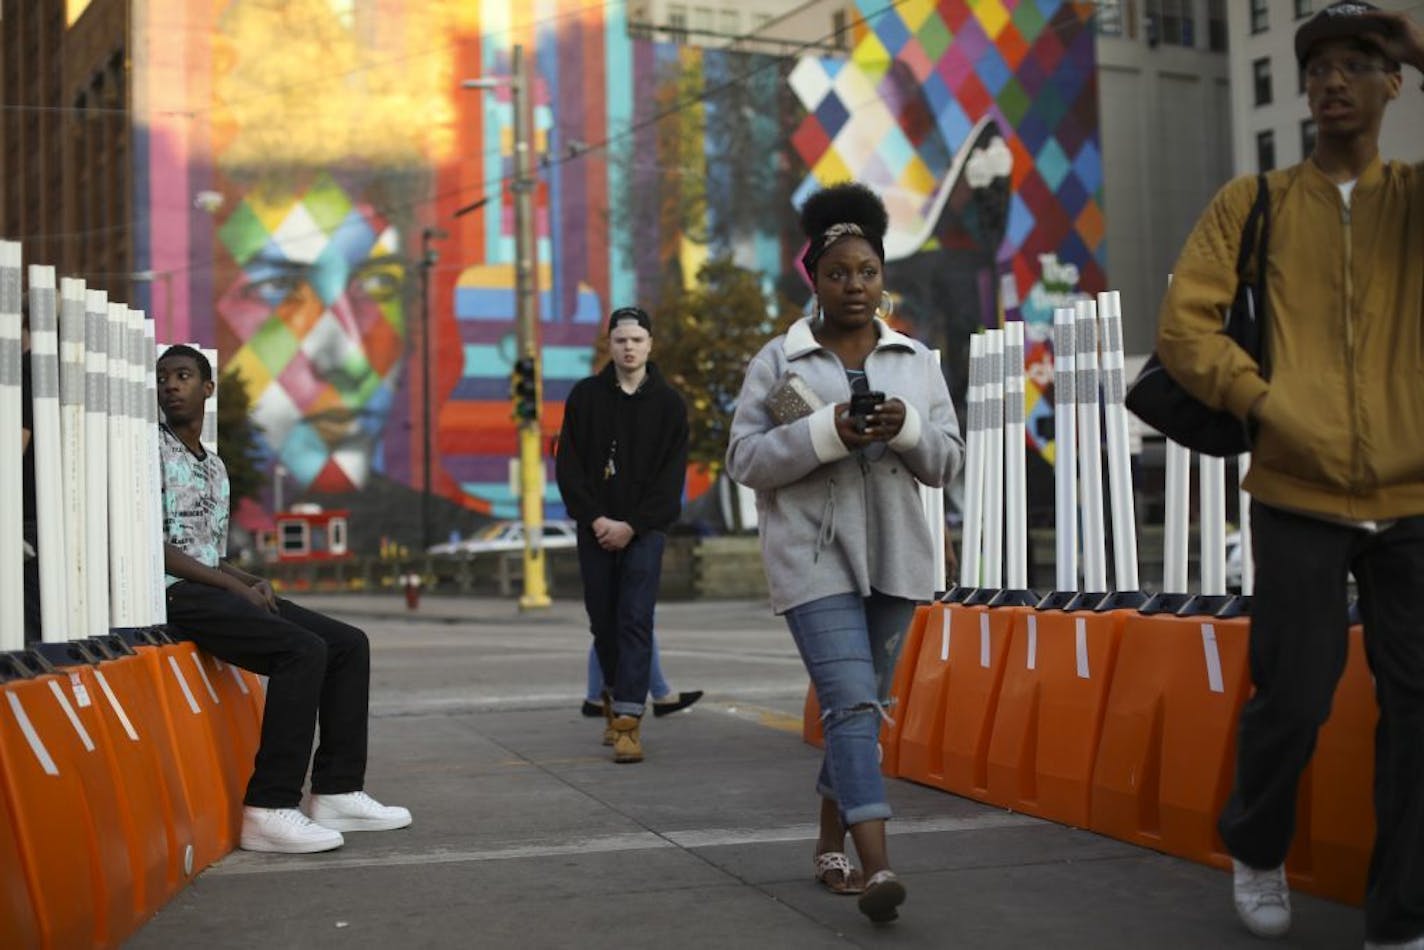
x,y
863,404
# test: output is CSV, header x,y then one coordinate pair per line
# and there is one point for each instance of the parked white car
x,y
509,536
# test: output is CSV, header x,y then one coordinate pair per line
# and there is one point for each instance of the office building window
x,y
1178,26
1265,151
1303,9
1307,138
1216,25
1110,17
704,20
1260,16
677,22
729,21
1261,80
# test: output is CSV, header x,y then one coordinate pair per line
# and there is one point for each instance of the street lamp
x,y
531,460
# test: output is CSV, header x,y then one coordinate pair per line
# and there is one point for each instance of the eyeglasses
x,y
1349,68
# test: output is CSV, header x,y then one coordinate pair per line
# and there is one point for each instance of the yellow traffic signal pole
x,y
531,462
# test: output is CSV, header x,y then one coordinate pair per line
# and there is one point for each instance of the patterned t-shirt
x,y
195,501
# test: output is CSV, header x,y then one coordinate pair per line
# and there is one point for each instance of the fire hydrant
x,y
410,583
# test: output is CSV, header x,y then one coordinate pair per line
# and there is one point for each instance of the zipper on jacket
x,y
1355,475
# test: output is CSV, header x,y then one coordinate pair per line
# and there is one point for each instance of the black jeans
x,y
620,592
1298,649
317,669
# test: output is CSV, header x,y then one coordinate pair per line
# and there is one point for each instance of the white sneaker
x,y
285,831
356,811
1416,944
1262,899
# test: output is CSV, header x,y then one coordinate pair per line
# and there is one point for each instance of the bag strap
x,y
1260,214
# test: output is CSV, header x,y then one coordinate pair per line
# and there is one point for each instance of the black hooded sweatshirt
x,y
622,455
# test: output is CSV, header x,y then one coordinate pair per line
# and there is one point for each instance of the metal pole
x,y
425,262
531,462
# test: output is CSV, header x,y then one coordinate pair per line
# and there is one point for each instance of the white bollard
x,y
71,425
95,550
932,501
1065,450
209,438
1015,465
49,485
153,480
1175,523
1124,515
121,516
1212,519
971,546
994,459
1243,505
1090,461
138,471
12,577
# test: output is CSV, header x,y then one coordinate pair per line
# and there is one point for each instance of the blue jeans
x,y
657,682
850,644
620,590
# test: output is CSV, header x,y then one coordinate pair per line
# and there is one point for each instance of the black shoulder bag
x,y
1158,400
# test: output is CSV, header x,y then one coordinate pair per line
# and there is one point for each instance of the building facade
x,y
1270,117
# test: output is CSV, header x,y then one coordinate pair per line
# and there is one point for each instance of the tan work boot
x,y
627,747
608,734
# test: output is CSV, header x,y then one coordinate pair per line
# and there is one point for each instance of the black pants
x,y
620,592
318,669
1298,650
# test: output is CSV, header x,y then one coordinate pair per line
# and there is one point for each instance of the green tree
x,y
703,338
237,437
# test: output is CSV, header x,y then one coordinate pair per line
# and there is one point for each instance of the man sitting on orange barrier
x,y
1337,467
316,666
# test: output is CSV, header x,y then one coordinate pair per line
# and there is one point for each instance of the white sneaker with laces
x,y
285,831
1262,899
356,811
1416,944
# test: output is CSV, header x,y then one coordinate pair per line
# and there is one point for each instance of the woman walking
x,y
838,423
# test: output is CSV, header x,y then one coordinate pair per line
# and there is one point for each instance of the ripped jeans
x,y
849,644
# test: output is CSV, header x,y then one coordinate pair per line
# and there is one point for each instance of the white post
x,y
209,437
1213,525
12,569
138,471
1090,461
970,549
1124,515
49,485
71,424
1065,449
1243,505
95,550
1015,471
1174,529
153,480
932,501
120,515
994,459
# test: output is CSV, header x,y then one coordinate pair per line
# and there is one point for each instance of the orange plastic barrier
x,y
920,750
79,879
1050,713
811,732
977,663
1166,756
148,803
19,926
203,769
1335,824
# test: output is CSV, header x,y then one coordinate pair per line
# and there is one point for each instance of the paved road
x,y
527,835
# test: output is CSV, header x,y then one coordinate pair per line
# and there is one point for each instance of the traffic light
x,y
524,389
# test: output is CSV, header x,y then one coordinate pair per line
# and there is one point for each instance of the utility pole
x,y
526,389
526,289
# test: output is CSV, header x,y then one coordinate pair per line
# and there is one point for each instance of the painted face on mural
x,y
319,308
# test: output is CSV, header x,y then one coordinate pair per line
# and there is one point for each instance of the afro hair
x,y
846,203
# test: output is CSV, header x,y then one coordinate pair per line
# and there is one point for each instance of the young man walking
x,y
318,669
1337,465
621,463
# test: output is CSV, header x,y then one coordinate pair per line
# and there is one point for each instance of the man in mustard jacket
x,y
1337,466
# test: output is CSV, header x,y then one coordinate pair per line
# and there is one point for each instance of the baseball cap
x,y
1343,20
630,315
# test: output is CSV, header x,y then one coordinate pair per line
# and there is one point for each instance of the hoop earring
x,y
885,307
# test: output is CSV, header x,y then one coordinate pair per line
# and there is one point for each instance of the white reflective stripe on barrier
x,y
117,706
70,714
1212,657
27,729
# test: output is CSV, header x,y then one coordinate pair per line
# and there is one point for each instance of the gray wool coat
x,y
834,521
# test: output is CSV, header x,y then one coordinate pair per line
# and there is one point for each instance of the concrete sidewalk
x,y
527,835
